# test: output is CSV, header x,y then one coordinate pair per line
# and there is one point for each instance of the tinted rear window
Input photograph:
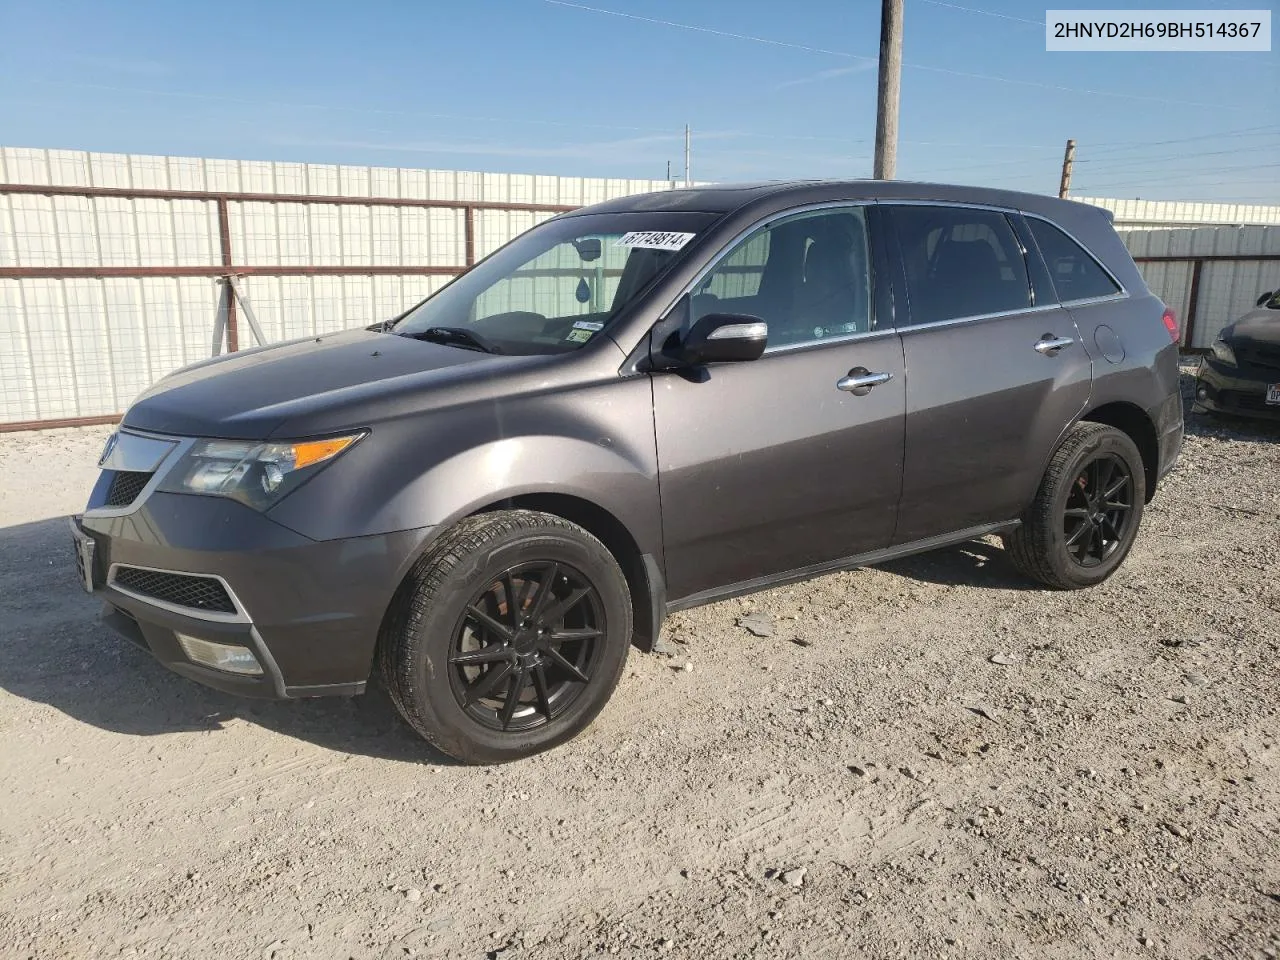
x,y
960,262
1076,275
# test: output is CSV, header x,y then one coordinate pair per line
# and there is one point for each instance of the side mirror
x,y
1265,297
724,338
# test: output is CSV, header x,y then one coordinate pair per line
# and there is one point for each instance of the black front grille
x,y
179,589
1260,355
125,487
1247,401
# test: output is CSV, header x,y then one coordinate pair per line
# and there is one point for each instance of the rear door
x,y
770,466
993,376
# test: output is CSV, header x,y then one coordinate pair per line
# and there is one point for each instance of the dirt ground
x,y
865,782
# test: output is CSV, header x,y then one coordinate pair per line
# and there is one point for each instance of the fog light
x,y
1202,393
220,656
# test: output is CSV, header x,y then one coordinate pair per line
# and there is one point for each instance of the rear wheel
x,y
1086,513
508,638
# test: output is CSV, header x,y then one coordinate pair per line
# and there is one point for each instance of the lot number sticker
x,y
654,240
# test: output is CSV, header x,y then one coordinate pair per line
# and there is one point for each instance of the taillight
x,y
1171,324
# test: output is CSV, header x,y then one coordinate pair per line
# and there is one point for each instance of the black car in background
x,y
632,409
1242,373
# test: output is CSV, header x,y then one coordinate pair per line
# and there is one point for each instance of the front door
x,y
784,462
993,377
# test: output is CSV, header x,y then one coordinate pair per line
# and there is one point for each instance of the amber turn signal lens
x,y
318,451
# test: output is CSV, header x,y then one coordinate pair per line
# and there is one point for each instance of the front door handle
x,y
1049,345
860,381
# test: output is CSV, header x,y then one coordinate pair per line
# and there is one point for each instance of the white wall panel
x,y
85,347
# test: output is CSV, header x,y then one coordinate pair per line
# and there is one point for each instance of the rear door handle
x,y
860,381
1049,345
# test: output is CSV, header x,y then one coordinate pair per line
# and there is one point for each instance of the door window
x,y
1076,275
807,276
960,262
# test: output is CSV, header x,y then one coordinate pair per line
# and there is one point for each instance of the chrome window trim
x,y
1034,308
980,317
179,449
828,341
240,616
1122,291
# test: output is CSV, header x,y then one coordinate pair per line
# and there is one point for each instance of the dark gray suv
x,y
632,409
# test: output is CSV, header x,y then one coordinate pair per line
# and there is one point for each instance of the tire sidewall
x,y
450,727
1110,442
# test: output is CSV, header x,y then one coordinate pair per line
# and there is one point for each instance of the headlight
x,y
1222,350
256,474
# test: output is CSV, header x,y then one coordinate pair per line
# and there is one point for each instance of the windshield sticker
x,y
654,240
579,336
587,325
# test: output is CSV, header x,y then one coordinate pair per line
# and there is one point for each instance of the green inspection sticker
x,y
579,336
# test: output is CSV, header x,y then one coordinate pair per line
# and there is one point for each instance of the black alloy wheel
x,y
527,646
1096,517
508,636
1084,517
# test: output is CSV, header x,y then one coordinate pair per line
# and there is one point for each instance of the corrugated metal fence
x,y
1209,275
114,269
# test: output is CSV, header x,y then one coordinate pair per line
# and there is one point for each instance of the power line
x,y
1122,145
718,33
1108,165
915,66
985,13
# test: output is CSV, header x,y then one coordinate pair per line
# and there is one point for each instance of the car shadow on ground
x,y
974,563
54,650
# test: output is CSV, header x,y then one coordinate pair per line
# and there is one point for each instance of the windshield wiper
x,y
454,337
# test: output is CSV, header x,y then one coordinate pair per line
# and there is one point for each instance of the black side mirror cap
x,y
1265,297
724,338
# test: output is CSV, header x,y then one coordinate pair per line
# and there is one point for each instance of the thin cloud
x,y
829,74
128,66
600,150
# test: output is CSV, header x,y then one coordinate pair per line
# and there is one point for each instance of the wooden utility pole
x,y
1068,157
890,74
688,144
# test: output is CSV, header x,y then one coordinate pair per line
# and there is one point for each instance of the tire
x,y
1062,542
477,605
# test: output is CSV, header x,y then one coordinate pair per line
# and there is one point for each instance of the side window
x,y
808,277
960,262
1076,275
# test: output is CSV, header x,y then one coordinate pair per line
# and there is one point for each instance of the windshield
x,y
555,287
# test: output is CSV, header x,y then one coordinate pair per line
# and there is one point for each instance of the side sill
x,y
847,563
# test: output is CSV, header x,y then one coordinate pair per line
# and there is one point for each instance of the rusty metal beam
x,y
18,425
1193,300
1207,258
224,246
469,234
235,197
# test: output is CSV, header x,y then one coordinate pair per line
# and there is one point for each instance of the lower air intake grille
x,y
125,487
179,589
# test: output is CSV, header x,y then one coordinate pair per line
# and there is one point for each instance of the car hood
x,y
306,387
1259,326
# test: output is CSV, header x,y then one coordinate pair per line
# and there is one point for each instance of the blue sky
x,y
771,89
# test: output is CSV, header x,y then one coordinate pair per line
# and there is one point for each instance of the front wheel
x,y
508,637
1086,514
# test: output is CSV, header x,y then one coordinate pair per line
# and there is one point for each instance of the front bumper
x,y
1224,389
309,610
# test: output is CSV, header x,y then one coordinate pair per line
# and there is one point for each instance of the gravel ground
x,y
862,781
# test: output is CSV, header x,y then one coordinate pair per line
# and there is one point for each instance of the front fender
x,y
594,442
